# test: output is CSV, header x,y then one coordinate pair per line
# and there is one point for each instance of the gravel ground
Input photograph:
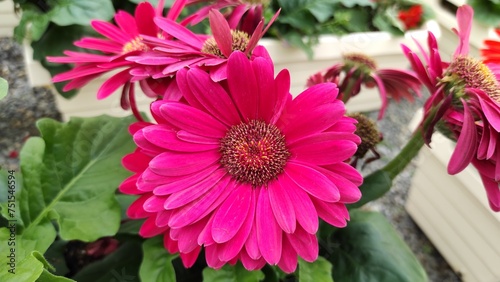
x,y
24,105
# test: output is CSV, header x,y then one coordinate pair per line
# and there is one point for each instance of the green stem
x,y
347,92
410,151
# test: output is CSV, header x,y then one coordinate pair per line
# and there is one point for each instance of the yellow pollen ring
x,y
135,44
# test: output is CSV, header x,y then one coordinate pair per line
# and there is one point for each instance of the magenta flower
x,y
465,96
243,15
183,48
358,69
246,171
123,40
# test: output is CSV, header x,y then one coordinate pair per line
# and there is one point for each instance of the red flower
x,y
412,17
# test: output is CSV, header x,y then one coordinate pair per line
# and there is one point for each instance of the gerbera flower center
x,y
472,73
135,44
367,130
360,60
254,152
240,41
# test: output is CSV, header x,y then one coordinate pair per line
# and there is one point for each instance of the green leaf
x,y
388,21
157,262
294,39
33,267
374,186
55,256
70,177
229,273
319,270
26,269
46,276
486,12
32,24
69,12
120,266
370,249
4,88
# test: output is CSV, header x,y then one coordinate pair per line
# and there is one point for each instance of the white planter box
x,y
453,212
383,47
8,18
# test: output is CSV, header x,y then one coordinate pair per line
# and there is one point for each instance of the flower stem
x,y
409,151
347,91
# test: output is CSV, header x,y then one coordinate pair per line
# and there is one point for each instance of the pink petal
x,y
162,218
103,45
145,13
316,95
149,228
288,262
305,212
213,97
192,120
212,256
184,182
184,197
323,153
305,244
269,233
129,186
111,32
79,71
205,237
173,164
174,11
154,204
231,215
193,138
165,137
466,144
127,23
465,13
335,214
313,182
232,248
188,259
243,87
313,121
282,206
283,95
197,209
347,171
188,241
251,264
251,245
179,32
113,83
221,31
136,210
266,98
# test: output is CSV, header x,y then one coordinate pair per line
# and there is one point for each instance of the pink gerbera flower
x,y
465,104
358,69
123,40
243,15
246,171
183,48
